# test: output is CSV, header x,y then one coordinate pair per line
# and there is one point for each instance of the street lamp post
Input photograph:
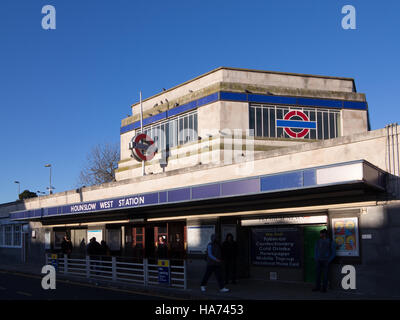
x,y
50,187
19,188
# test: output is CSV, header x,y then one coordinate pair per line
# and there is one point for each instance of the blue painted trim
x,y
272,99
284,181
233,96
244,97
296,124
320,103
355,105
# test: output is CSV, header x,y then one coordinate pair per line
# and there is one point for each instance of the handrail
x,y
110,267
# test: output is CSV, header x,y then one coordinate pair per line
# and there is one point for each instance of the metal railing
x,y
120,269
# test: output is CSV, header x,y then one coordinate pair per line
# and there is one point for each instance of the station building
x,y
270,157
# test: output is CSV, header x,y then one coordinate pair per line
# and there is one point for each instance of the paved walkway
x,y
245,289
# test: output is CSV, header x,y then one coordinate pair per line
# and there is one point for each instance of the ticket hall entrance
x,y
159,240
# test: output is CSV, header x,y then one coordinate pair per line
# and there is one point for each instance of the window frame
x,y
274,132
4,234
176,130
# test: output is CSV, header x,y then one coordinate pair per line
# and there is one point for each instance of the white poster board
x,y
198,237
98,234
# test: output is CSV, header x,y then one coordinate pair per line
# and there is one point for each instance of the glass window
x,y
1,235
263,119
320,125
265,122
258,123
175,131
272,117
332,125
8,235
326,126
195,125
17,235
252,118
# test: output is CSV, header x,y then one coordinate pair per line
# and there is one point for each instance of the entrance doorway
x,y
311,236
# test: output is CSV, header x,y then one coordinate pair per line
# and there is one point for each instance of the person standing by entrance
x,y
214,262
177,247
229,254
162,248
66,246
324,252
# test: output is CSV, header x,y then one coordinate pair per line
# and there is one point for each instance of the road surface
x,y
14,286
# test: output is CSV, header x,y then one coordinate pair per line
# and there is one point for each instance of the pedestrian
x,y
93,250
66,246
229,255
104,249
214,261
82,247
177,247
324,252
162,248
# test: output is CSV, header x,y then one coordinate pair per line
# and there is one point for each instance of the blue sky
x,y
63,91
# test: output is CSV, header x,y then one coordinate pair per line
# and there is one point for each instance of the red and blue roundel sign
x,y
143,147
296,124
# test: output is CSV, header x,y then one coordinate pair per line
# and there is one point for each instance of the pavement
x,y
244,289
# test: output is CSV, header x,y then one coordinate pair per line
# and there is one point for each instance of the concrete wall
x,y
222,115
289,80
353,121
377,271
251,77
35,247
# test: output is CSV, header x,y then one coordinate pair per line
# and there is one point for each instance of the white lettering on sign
x,y
83,207
131,201
106,204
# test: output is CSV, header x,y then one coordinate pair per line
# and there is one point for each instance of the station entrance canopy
x,y
341,176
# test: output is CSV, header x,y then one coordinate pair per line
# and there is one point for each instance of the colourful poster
x,y
345,234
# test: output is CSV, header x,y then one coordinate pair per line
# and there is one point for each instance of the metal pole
x,y
141,129
50,191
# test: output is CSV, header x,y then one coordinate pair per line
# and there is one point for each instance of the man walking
x,y
214,263
324,252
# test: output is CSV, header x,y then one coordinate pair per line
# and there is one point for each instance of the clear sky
x,y
63,91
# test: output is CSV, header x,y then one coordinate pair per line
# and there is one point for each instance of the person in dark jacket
x,y
162,248
214,262
93,248
324,253
104,249
177,247
229,255
66,246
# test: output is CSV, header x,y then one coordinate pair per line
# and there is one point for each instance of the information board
x,y
163,272
276,247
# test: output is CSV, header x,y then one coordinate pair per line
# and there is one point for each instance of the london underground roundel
x,y
296,124
143,147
